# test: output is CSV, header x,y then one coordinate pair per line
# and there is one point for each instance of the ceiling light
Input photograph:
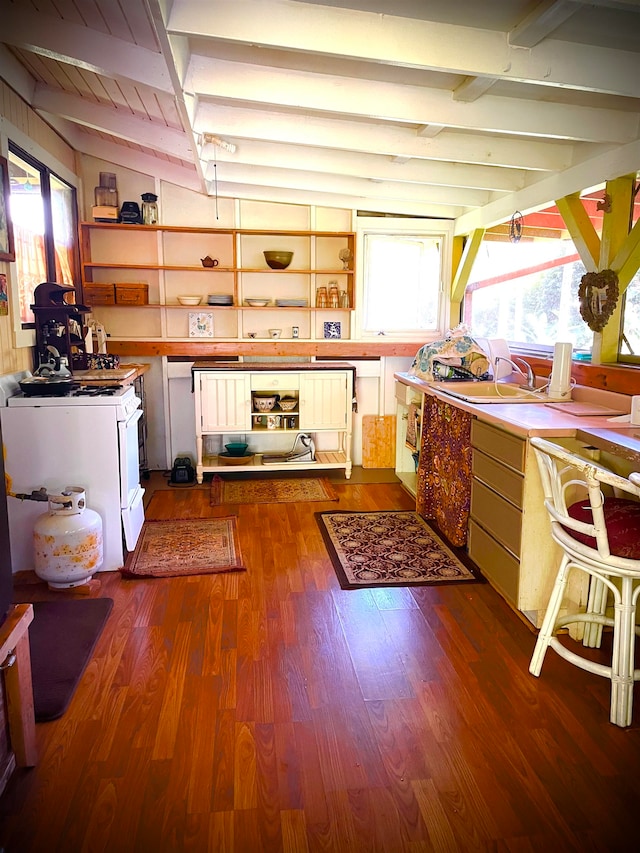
x,y
212,139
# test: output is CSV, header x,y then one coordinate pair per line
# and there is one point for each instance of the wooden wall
x,y
16,113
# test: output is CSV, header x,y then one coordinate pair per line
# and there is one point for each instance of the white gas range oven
x,y
88,438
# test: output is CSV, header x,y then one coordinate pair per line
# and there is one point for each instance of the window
x,y
43,213
630,342
402,276
527,292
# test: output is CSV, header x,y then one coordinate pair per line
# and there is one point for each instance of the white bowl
x,y
257,303
189,300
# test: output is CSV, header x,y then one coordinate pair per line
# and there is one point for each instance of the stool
x,y
599,534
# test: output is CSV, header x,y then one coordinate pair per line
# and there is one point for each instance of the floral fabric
x,y
457,354
444,470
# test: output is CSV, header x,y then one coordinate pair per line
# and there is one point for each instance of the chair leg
x,y
597,603
548,627
622,661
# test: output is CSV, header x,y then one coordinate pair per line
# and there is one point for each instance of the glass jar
x,y
321,297
149,209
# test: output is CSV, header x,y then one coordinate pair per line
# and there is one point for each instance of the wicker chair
x,y
599,534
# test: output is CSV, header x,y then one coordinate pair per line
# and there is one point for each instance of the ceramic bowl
x,y
257,303
236,448
189,300
264,404
278,260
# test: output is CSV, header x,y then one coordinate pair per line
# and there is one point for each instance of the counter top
x,y
536,418
125,374
623,442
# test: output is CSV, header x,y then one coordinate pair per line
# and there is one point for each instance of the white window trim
x,y
8,131
434,228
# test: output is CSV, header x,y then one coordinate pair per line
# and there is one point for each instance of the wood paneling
x,y
273,711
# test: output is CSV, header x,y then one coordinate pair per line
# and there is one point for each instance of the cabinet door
x,y
225,402
324,401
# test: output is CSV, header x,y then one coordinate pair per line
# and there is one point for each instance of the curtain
x,y
30,265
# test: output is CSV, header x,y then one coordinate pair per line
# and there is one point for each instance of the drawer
x,y
407,395
132,293
500,518
275,381
500,567
507,448
505,481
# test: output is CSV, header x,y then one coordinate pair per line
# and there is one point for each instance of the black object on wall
x,y
6,576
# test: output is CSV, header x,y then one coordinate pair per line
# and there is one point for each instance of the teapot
x,y
209,261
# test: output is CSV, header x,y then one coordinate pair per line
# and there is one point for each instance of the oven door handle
x,y
133,418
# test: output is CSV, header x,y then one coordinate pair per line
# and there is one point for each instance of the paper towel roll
x,y
560,384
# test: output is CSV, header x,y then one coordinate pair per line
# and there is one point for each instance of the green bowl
x,y
278,260
236,448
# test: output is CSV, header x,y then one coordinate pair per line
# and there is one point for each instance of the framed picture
x,y
333,329
7,251
200,324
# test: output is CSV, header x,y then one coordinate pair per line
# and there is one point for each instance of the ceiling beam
x,y
410,43
84,47
380,138
114,122
541,22
378,101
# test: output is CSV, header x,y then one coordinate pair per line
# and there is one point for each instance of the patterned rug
x,y
295,490
168,549
387,549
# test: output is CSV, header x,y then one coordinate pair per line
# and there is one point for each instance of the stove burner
x,y
96,391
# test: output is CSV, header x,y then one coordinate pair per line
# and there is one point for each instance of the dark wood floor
x,y
272,711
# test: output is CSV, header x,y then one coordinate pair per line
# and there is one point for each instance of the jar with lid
x,y
149,209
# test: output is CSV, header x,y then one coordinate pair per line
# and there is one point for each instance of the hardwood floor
x,y
269,710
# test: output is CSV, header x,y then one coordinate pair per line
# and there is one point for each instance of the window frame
x,y
402,227
13,139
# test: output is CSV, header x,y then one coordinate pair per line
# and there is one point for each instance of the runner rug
x,y
295,490
200,546
388,549
62,638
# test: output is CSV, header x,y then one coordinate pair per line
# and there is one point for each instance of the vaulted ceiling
x,y
462,109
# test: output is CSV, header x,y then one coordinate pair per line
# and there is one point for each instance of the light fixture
x,y
212,139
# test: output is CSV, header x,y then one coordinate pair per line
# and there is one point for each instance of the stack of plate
x,y
292,303
220,299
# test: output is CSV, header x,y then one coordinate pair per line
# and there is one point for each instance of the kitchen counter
x,y
125,374
526,419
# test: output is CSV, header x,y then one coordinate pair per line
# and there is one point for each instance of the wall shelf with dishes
x,y
253,280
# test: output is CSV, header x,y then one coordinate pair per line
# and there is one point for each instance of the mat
x,y
177,547
295,490
62,638
393,548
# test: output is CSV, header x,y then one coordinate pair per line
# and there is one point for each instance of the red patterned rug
x,y
295,490
200,546
388,549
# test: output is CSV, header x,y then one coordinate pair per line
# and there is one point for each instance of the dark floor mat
x,y
62,637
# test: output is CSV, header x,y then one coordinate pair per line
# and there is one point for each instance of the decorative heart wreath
x,y
598,294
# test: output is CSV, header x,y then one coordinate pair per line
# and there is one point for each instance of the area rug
x,y
370,549
177,547
295,490
62,638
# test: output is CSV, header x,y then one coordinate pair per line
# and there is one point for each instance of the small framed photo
x,y
200,324
4,298
333,329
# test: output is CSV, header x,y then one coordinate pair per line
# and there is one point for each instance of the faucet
x,y
529,377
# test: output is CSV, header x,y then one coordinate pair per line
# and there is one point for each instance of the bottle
x,y
344,299
149,209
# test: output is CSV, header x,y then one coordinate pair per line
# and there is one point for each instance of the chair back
x,y
568,478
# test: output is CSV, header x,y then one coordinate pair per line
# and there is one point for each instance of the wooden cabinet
x,y
319,403
509,533
169,260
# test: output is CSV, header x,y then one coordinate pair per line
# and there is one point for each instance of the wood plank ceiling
x,y
463,110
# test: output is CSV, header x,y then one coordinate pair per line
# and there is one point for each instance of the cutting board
x,y
585,410
378,441
115,374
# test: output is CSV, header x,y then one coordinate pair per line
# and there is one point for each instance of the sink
x,y
490,392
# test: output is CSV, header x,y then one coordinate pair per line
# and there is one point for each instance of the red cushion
x,y
622,518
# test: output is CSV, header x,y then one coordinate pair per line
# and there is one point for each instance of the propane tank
x,y
67,540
